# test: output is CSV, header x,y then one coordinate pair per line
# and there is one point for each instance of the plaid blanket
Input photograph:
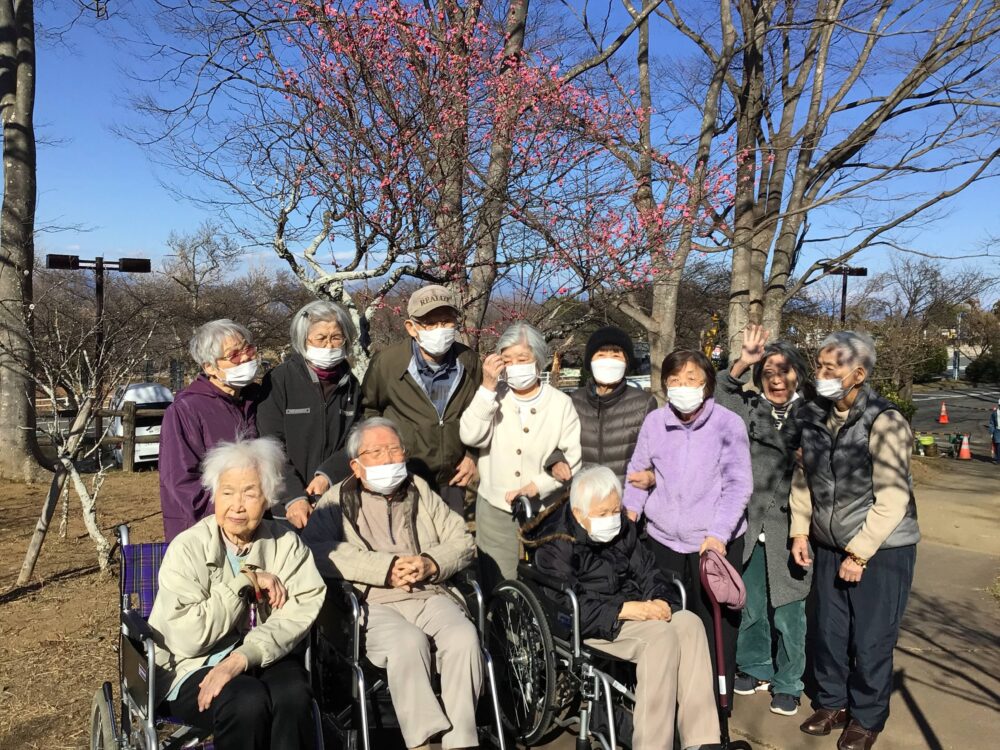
x,y
139,574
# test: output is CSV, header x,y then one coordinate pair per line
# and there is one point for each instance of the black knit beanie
x,y
609,336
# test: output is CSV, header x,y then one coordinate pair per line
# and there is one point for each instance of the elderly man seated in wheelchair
x,y
628,610
237,596
395,539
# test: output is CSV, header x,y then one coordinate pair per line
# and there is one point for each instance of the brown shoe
x,y
856,737
824,721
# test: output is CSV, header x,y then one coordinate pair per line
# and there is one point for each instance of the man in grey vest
x,y
853,499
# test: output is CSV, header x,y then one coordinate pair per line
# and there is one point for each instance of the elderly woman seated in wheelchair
x,y
385,531
623,607
237,597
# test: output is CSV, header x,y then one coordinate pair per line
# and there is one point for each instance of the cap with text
x,y
430,298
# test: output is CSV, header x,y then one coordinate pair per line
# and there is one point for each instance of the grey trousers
x,y
497,544
398,637
675,681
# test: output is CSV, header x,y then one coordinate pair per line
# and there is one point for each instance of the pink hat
x,y
724,584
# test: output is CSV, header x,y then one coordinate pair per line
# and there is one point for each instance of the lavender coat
x,y
200,416
703,477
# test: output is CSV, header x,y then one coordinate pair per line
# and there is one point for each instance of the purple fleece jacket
x,y
200,416
703,477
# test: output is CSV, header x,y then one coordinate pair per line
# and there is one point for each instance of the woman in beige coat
x,y
237,596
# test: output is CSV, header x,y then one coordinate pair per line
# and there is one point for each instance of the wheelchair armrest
x,y
466,583
133,626
681,591
529,573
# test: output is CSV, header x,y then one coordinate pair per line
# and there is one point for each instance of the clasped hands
x,y
657,609
409,570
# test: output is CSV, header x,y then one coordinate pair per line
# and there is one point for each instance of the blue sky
x,y
97,179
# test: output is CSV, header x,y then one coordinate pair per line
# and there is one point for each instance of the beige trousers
x,y
675,680
398,637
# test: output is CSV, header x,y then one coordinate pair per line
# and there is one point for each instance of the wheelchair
x,y
364,695
137,725
549,680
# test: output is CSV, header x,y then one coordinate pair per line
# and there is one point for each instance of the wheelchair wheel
x,y
102,731
520,641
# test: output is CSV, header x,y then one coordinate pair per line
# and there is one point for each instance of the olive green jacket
x,y
433,445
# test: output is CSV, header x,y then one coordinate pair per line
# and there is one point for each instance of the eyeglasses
x,y
239,356
322,341
392,452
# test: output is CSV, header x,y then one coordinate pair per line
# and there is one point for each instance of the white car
x,y
145,396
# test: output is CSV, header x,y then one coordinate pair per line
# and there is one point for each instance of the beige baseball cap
x,y
430,298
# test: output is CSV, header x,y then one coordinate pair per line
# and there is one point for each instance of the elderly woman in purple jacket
x,y
219,405
690,478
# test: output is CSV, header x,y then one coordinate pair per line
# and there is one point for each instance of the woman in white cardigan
x,y
517,424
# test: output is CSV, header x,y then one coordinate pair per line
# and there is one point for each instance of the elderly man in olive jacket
x,y
424,385
389,534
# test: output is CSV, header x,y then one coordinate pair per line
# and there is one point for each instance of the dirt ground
x,y
57,635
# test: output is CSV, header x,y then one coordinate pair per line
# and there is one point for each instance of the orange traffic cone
x,y
943,416
965,453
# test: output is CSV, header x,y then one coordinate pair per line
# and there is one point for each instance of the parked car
x,y
145,396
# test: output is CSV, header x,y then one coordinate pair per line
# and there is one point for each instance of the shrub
x,y
985,369
889,392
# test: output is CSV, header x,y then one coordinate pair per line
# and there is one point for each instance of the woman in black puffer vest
x,y
611,411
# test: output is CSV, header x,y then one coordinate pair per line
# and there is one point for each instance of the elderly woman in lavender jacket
x,y
690,477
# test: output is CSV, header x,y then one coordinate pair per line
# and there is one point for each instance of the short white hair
x,y
593,483
858,348
206,343
264,455
525,333
357,434
321,311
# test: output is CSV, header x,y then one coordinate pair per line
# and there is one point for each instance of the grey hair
x,y
593,483
321,311
206,343
524,333
264,455
859,348
358,432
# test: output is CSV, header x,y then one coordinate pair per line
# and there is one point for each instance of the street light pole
x,y
98,264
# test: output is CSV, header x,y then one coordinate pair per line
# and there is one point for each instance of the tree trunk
x,y
491,214
20,456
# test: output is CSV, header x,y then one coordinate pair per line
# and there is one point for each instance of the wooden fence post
x,y
128,437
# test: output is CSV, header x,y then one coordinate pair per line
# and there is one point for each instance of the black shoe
x,y
745,684
784,704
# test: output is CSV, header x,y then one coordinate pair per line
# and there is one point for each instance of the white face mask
x,y
605,528
832,388
436,341
607,371
323,358
686,398
385,478
522,377
241,375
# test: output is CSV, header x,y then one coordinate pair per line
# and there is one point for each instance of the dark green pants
x,y
759,654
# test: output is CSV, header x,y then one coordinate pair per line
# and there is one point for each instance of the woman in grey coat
x,y
776,586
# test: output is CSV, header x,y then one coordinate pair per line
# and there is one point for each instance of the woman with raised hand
x,y
776,589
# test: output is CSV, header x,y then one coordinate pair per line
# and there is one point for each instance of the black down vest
x,y
610,424
839,472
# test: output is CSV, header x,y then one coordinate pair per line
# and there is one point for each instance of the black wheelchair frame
x,y
352,723
563,670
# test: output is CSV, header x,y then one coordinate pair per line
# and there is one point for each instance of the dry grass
x,y
57,635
